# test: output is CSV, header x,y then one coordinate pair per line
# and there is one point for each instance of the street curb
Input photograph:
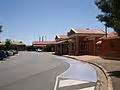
x,y
109,80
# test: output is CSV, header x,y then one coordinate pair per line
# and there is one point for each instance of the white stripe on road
x,y
71,79
69,84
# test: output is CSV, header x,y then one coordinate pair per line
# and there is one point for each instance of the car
x,y
10,53
14,52
39,50
7,54
2,54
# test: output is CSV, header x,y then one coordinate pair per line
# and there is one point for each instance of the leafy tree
x,y
110,13
0,28
8,44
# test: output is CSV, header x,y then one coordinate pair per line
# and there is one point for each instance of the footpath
x,y
110,69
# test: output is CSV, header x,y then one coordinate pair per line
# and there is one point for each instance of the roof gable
x,y
72,31
86,31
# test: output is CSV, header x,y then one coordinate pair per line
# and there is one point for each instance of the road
x,y
31,71
39,70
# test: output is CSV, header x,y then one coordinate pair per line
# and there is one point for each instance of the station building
x,y
44,45
78,42
109,47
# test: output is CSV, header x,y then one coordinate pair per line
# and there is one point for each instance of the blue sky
x,y
26,20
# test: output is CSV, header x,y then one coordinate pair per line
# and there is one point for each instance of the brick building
x,y
44,45
83,41
78,42
109,47
61,47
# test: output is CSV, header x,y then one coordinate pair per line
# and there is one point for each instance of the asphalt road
x,y
31,71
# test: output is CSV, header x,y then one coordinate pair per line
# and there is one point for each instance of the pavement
x,y
79,76
110,79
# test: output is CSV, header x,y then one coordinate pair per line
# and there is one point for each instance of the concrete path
x,y
79,76
109,74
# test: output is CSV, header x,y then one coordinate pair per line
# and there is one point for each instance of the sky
x,y
27,20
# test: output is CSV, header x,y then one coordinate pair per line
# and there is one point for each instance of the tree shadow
x,y
115,73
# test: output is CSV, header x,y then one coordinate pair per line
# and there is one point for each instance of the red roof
x,y
43,42
110,35
62,36
88,31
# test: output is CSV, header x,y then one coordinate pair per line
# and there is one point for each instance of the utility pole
x,y
105,30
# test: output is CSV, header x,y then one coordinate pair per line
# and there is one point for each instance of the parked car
x,y
14,52
7,54
10,53
2,54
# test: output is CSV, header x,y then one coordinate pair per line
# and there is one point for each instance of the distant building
x,y
44,44
17,45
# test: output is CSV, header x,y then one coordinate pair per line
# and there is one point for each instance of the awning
x,y
60,42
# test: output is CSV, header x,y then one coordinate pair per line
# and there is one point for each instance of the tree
x,y
0,31
110,13
8,44
0,28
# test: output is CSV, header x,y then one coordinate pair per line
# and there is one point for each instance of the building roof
x,y
110,35
86,31
43,42
62,36
61,42
13,42
17,42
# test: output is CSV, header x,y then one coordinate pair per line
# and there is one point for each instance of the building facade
x,y
79,42
16,45
44,45
109,47
61,46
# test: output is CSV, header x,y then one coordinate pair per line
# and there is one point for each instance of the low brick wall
x,y
110,48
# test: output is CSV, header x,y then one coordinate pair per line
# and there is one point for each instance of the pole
x,y
105,30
